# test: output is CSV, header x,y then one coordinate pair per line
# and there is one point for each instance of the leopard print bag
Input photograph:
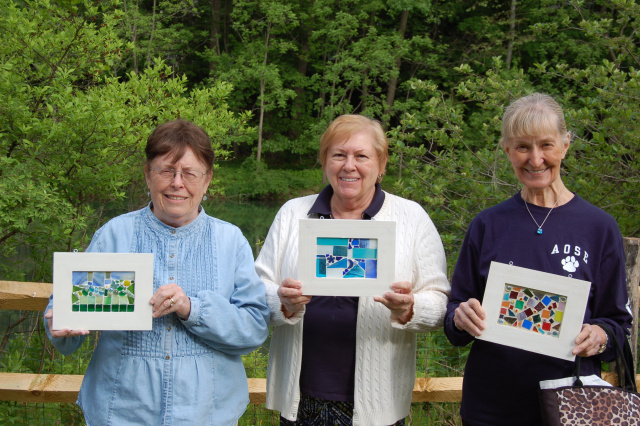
x,y
595,405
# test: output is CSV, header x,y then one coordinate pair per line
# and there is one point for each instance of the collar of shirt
x,y
322,205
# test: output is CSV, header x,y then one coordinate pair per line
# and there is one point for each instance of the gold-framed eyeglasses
x,y
188,175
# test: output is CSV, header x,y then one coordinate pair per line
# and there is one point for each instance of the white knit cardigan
x,y
385,351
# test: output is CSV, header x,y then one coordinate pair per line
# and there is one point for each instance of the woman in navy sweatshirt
x,y
545,227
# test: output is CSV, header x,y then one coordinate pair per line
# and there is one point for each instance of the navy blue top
x,y
579,240
329,332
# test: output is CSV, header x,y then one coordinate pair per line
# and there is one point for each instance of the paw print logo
x,y
570,264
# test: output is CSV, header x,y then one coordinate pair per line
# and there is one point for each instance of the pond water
x,y
254,219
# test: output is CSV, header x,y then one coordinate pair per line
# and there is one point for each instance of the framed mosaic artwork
x,y
532,310
102,291
346,257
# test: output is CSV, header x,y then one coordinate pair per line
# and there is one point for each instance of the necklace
x,y
539,231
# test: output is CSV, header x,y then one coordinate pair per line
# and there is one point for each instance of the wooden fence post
x,y
632,252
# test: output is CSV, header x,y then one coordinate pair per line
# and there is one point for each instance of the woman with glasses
x,y
208,304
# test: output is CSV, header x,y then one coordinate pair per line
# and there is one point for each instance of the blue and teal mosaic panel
x,y
533,310
347,258
100,291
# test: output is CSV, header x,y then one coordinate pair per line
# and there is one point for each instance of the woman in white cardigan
x,y
350,360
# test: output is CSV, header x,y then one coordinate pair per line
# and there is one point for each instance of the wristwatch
x,y
603,346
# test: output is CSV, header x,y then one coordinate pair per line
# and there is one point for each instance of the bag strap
x,y
624,360
576,373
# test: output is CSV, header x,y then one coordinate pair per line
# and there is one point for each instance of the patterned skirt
x,y
319,412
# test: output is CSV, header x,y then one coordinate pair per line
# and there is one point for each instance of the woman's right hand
x,y
469,316
290,294
65,332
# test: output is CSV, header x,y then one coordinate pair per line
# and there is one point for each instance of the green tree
x,y
160,28
446,153
72,133
262,28
603,108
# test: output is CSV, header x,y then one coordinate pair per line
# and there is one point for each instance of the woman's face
x,y
352,167
536,160
176,201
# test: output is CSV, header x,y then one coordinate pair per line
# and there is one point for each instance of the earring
x,y
204,198
149,194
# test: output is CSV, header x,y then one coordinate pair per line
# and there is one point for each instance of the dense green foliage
x,y
83,82
72,131
446,149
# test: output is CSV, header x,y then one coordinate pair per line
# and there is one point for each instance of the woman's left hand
x,y
399,301
168,299
589,340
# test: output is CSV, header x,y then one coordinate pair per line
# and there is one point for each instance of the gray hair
x,y
532,115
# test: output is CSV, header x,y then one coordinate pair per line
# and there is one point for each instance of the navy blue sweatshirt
x,y
579,240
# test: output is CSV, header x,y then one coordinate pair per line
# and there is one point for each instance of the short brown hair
x,y
530,115
176,137
345,125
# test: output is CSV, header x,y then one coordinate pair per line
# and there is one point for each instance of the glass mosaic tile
x,y
347,258
103,291
532,310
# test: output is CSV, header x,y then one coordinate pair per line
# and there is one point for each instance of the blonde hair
x,y
344,126
532,115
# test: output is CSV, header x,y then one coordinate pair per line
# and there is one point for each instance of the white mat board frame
x,y
576,291
64,264
311,229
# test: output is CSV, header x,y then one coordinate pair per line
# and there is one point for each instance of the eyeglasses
x,y
188,175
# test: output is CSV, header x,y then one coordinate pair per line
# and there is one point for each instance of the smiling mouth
x,y
173,197
537,172
349,179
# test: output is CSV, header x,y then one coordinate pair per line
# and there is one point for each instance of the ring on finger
x,y
173,302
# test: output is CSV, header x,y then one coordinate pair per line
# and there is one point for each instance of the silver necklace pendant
x,y
539,230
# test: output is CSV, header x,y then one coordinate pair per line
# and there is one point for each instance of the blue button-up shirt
x,y
180,372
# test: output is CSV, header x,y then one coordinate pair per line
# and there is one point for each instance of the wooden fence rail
x,y
39,388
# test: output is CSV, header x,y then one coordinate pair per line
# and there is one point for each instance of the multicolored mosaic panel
x,y
100,291
533,310
347,258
